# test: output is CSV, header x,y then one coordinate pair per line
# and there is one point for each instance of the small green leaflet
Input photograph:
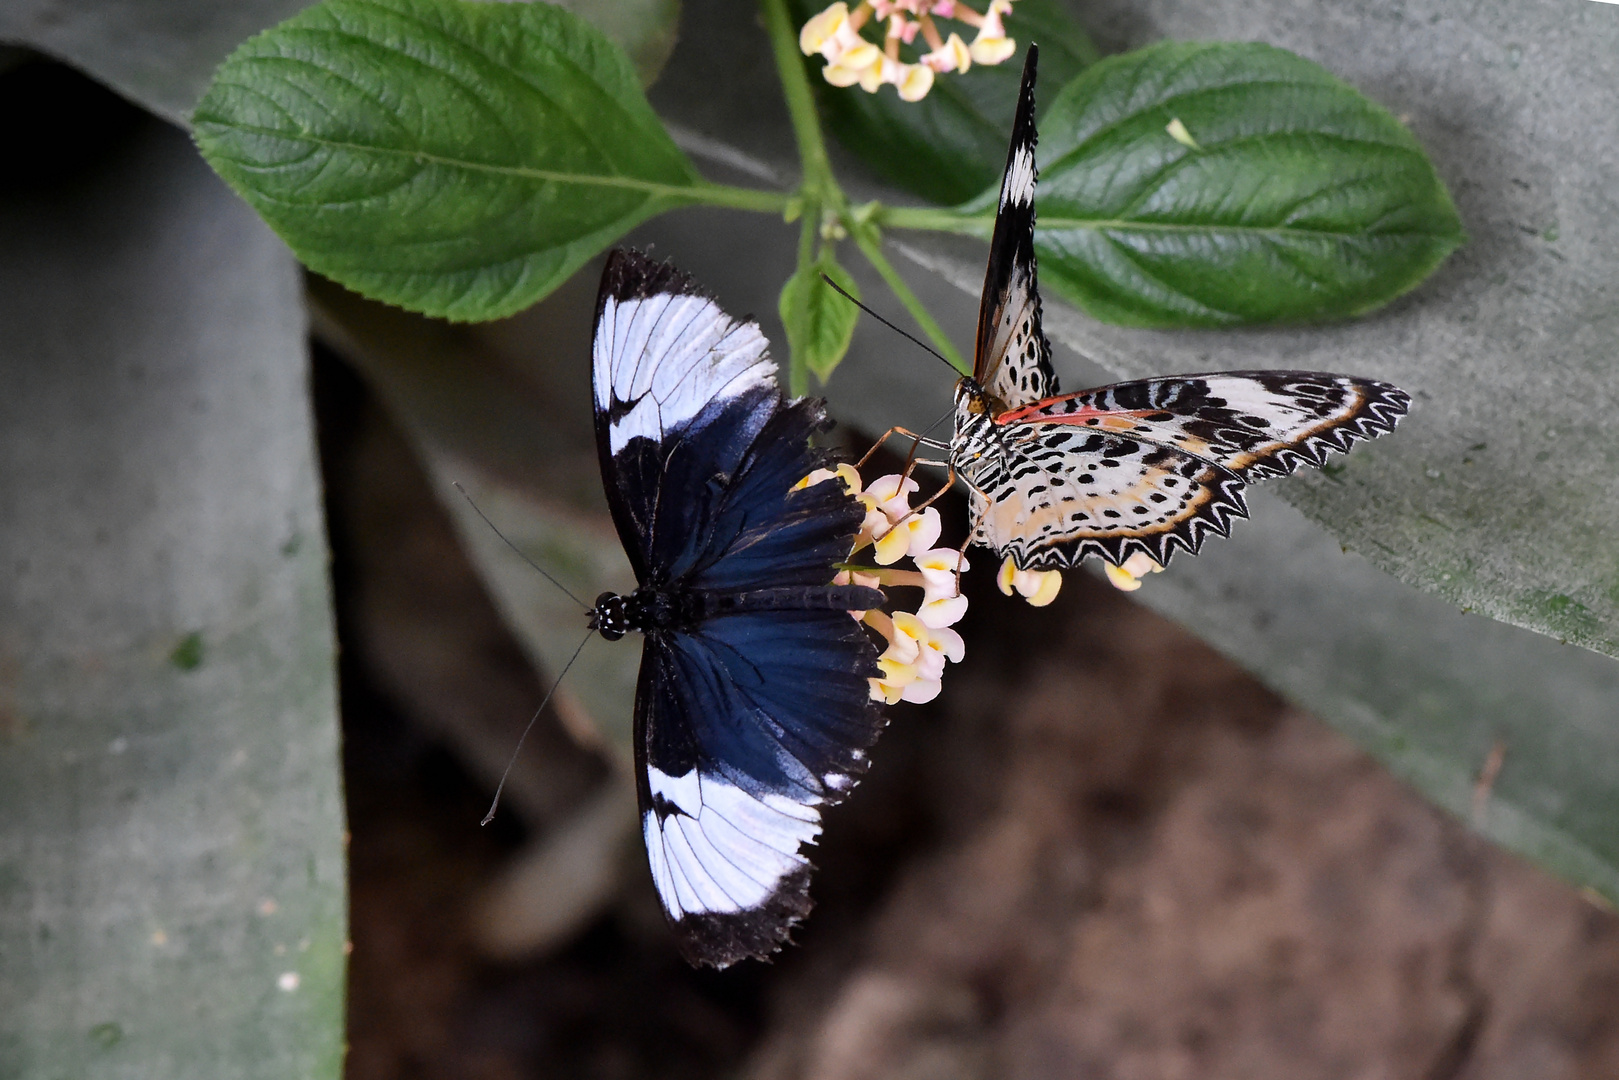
x,y
819,322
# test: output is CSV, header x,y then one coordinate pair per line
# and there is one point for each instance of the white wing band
x,y
723,850
669,356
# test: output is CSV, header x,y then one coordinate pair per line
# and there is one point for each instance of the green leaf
x,y
820,323
645,29
951,145
1300,200
172,898
459,159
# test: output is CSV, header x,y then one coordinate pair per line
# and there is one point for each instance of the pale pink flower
x,y
836,34
1038,587
1128,576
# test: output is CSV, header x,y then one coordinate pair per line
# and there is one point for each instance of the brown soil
x,y
1105,852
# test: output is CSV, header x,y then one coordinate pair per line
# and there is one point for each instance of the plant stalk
x,y
795,88
870,245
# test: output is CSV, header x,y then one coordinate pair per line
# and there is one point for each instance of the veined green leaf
x,y
819,322
951,145
459,159
1283,195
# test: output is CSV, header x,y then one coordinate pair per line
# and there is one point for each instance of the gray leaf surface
x,y
162,53
172,898
157,53
1499,492
504,410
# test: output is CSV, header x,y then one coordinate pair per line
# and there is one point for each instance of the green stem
x,y
935,220
740,198
698,191
871,247
795,88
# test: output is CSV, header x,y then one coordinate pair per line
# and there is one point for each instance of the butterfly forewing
x,y
1255,423
751,714
1012,361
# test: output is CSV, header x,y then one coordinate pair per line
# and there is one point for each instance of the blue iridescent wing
x,y
747,723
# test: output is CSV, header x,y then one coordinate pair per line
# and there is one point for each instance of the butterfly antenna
x,y
924,345
923,437
514,547
518,749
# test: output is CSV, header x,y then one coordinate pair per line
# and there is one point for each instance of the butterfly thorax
x,y
645,610
978,441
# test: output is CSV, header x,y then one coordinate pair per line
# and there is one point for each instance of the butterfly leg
x,y
916,441
972,527
961,558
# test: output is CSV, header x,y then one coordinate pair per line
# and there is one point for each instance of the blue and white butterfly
x,y
753,711
1141,467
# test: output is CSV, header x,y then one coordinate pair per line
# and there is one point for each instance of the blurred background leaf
x,y
377,138
159,53
172,897
513,427
162,53
503,410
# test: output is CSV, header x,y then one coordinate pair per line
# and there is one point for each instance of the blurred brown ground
x,y
1105,852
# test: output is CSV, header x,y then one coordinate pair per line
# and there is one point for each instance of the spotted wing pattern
x,y
1012,363
1158,464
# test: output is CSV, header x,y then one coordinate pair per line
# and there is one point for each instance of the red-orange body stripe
x,y
1024,412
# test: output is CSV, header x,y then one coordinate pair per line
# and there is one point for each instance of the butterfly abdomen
x,y
790,598
649,610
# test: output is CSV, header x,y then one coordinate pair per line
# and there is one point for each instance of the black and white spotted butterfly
x,y
753,711
1136,467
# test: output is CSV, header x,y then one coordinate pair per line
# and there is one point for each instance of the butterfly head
x,y
970,397
610,616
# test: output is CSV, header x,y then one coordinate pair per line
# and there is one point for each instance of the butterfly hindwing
x,y
1012,360
749,728
1157,464
753,707
1069,494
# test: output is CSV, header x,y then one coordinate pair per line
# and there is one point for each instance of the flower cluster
x,y
851,58
919,643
